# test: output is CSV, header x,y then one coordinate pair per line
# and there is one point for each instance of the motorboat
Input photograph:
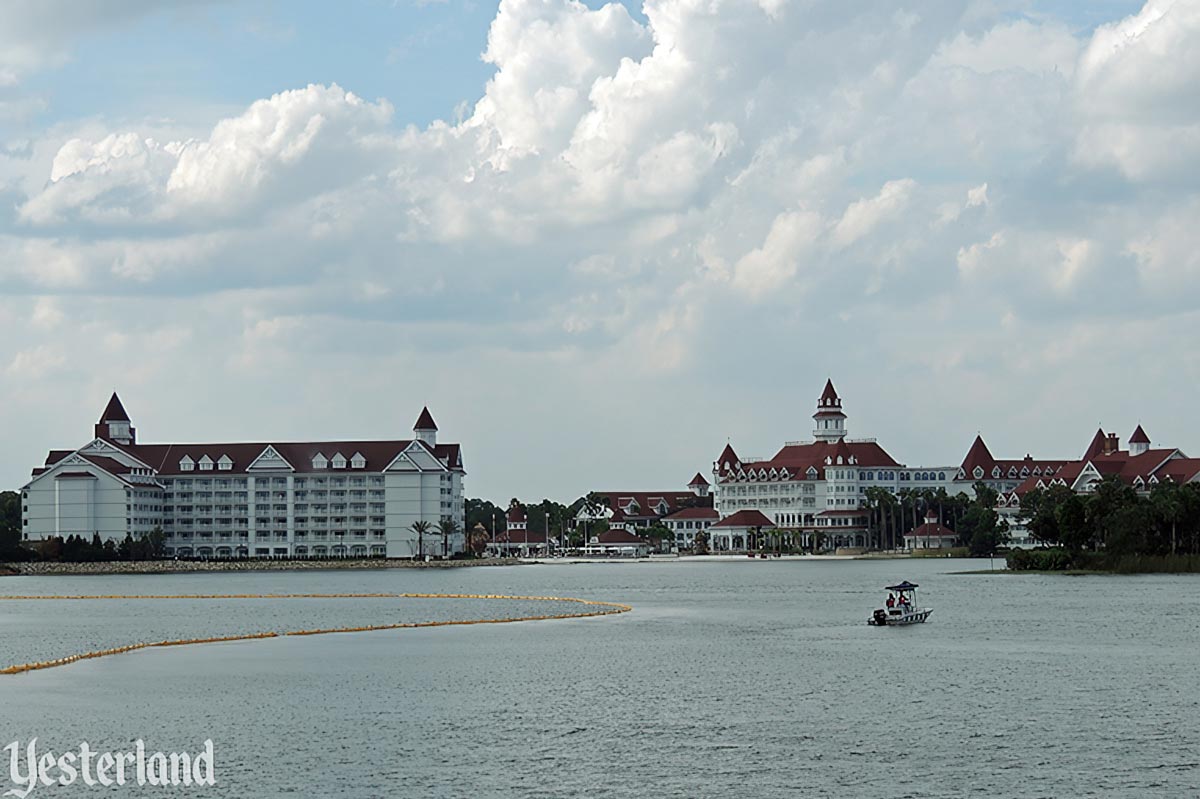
x,y
901,607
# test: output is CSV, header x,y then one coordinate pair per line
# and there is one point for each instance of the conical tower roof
x,y
425,421
114,411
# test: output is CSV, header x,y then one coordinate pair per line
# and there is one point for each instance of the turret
x,y
425,428
1139,442
699,485
114,424
830,421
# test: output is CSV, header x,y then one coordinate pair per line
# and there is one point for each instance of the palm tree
x,y
421,528
593,504
448,526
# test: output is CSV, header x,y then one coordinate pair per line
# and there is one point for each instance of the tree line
x,y
973,519
1111,525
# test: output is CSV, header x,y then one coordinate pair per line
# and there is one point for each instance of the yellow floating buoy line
x,y
597,608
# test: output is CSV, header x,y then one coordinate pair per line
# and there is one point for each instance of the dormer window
x,y
186,464
996,472
338,462
978,473
319,461
224,464
358,461
206,464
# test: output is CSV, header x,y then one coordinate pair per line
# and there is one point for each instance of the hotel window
x,y
339,462
319,461
186,464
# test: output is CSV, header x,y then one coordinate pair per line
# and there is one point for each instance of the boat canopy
x,y
904,586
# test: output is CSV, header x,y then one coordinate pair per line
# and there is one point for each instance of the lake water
x,y
728,679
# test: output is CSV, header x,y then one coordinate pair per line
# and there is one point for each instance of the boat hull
x,y
917,616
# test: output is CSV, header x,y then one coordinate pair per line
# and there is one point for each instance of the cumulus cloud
x,y
625,195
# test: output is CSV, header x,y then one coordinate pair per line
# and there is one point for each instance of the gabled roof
x,y
114,411
746,518
1097,446
931,530
978,455
619,537
425,421
648,501
1139,436
516,513
694,513
698,480
798,459
728,456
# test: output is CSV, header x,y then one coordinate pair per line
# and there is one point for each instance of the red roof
x,y
698,480
695,513
1181,470
978,455
829,396
516,513
1129,467
425,421
931,530
799,458
1139,436
61,475
619,537
1097,446
1010,468
746,518
114,411
648,502
728,456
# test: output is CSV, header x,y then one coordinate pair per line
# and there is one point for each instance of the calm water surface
x,y
737,679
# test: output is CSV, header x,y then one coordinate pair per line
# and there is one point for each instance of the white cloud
x,y
1139,94
625,199
862,216
771,266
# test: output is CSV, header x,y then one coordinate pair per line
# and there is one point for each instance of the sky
x,y
600,241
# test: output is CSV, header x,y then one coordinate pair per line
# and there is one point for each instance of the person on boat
x,y
903,599
891,601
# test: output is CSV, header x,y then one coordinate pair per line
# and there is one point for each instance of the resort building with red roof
x,y
517,539
1142,467
816,489
266,499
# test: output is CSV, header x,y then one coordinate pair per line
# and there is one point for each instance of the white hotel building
x,y
276,499
817,486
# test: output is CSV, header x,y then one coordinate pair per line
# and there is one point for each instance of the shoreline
x,y
53,569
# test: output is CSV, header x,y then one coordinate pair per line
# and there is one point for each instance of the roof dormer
x,y
319,461
357,461
224,464
206,464
186,464
339,461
